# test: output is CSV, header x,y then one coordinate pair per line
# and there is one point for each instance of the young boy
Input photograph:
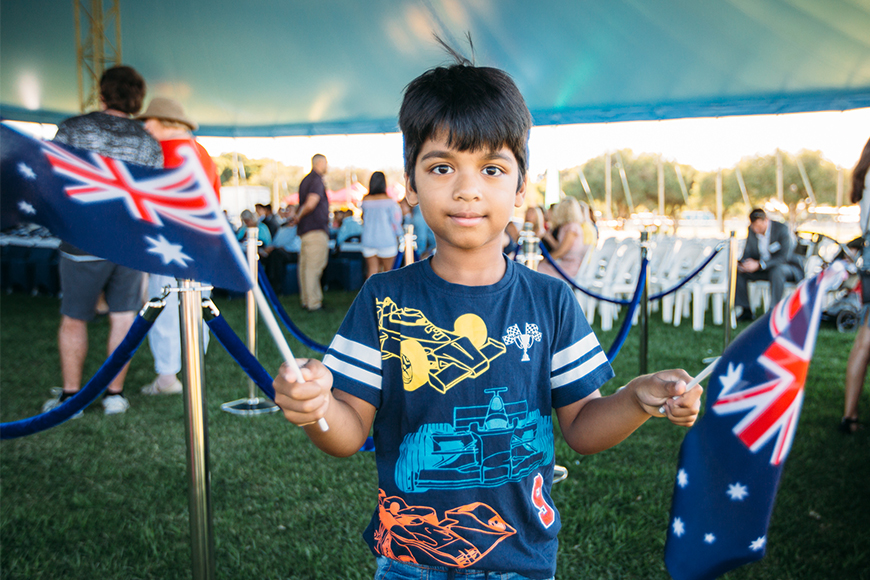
x,y
458,361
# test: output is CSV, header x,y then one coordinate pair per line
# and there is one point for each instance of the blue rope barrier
x,y
626,324
285,318
689,276
568,279
240,353
87,395
249,363
621,302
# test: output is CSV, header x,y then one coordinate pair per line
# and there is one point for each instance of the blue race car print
x,y
486,446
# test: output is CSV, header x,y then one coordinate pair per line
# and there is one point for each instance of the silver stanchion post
x,y
732,288
253,405
196,430
530,252
410,244
644,304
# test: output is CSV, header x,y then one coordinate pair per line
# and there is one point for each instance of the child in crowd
x,y
459,360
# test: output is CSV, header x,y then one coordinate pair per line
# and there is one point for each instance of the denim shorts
x,y
389,569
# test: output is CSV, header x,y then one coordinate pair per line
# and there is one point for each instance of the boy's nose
x,y
467,187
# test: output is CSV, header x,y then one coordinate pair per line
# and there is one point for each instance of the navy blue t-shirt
x,y
318,218
465,379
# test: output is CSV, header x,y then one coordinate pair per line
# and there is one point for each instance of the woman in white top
x,y
382,226
856,367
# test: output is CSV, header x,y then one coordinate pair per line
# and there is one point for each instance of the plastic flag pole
x,y
697,380
284,348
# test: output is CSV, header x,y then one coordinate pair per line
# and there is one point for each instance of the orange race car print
x,y
415,533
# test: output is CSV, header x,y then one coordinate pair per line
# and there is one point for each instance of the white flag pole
x,y
281,342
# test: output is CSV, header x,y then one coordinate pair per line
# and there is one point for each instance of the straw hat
x,y
169,110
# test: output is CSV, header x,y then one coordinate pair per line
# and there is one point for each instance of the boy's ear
x,y
521,192
410,194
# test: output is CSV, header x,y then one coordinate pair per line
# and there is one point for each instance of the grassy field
x,y
106,497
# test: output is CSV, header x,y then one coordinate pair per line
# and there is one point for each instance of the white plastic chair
x,y
685,255
591,270
712,283
619,279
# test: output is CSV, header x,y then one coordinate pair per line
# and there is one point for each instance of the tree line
x,y
807,178
758,175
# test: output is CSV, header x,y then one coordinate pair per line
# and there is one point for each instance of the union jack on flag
x,y
731,460
163,221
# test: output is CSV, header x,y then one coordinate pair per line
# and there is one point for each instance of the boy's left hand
x,y
663,394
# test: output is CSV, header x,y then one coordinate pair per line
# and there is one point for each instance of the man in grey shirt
x,y
112,133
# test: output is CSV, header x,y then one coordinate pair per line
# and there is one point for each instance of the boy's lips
x,y
466,218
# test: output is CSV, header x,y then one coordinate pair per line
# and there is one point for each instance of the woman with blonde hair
x,y
569,239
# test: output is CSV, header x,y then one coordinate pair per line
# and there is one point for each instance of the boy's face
x,y
467,197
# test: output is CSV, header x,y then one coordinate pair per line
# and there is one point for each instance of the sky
x,y
705,143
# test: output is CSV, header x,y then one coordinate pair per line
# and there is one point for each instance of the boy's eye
x,y
492,171
441,169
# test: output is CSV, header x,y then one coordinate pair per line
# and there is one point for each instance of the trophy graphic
x,y
523,340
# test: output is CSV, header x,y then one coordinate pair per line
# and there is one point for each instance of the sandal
x,y
848,425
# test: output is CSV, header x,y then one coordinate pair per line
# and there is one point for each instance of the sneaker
x,y
57,399
115,404
153,388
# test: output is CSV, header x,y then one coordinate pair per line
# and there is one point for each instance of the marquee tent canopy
x,y
278,67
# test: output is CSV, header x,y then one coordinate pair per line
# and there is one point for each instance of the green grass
x,y
106,497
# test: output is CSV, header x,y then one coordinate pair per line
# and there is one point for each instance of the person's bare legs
x,y
119,324
386,264
372,266
856,371
72,341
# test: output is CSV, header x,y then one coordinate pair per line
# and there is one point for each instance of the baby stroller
x,y
843,303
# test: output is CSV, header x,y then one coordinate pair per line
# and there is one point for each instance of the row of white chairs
x,y
613,267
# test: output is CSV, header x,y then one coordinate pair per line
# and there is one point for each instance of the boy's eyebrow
x,y
448,154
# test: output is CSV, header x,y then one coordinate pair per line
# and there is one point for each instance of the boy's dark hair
x,y
378,182
122,89
477,108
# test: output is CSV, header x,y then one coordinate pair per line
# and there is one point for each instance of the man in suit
x,y
768,255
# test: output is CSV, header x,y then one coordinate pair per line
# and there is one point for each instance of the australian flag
x,y
732,459
163,221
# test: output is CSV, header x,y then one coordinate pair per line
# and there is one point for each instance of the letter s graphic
x,y
546,514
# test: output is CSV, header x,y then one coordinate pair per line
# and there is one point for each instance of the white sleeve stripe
x,y
579,371
353,371
576,351
356,350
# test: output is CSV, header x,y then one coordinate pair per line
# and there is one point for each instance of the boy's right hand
x,y
303,403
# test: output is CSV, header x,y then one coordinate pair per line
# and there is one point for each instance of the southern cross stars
x,y
758,544
168,252
682,478
26,171
679,528
26,208
736,491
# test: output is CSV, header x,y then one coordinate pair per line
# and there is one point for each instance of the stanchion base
x,y
250,407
